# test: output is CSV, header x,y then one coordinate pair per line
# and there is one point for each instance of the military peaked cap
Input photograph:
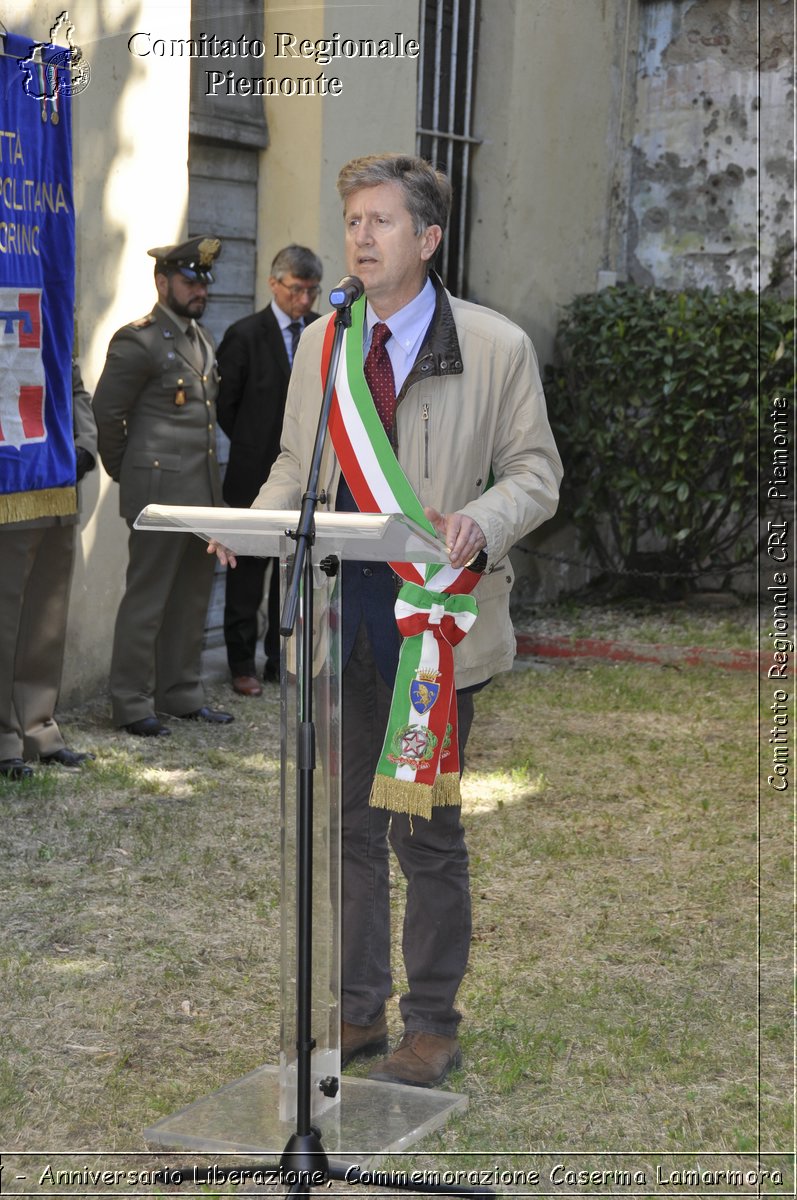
x,y
193,258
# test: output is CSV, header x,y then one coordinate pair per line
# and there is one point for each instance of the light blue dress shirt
x,y
283,320
407,327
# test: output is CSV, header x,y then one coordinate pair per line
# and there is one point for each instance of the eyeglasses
x,y
297,290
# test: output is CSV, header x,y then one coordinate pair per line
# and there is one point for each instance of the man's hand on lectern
x,y
225,556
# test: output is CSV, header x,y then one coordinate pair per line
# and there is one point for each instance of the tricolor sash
x,y
419,763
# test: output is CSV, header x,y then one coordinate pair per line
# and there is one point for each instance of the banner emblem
x,y
22,378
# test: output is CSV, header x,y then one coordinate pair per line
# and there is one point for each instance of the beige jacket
x,y
471,408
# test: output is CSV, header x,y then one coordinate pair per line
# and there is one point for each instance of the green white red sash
x,y
419,763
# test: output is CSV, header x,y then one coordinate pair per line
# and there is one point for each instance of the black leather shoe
x,y
15,768
66,757
148,727
271,672
214,716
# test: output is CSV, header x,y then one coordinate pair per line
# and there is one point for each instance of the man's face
x,y
383,249
186,297
294,296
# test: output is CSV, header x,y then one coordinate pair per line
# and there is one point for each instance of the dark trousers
x,y
432,855
242,600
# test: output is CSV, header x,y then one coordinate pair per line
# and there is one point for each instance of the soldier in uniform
x,y
155,406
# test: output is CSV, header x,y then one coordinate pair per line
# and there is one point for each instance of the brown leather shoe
x,y
420,1060
363,1041
246,685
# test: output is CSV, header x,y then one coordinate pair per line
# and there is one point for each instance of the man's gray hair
x,y
427,192
297,260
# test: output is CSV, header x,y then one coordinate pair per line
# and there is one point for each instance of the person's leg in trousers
x,y
365,916
437,917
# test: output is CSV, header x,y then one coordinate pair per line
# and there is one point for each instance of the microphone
x,y
348,290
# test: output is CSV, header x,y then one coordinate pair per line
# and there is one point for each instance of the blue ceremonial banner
x,y
37,282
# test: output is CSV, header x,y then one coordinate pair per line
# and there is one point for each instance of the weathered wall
x,y
712,145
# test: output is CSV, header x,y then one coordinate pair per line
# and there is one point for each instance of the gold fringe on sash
x,y
446,790
415,799
27,506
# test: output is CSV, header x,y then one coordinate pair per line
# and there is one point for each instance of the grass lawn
x,y
629,986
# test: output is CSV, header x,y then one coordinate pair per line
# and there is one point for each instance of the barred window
x,y
445,114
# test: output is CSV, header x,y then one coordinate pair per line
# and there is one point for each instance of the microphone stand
x,y
304,1158
304,1163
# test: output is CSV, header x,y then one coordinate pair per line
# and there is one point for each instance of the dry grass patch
x,y
141,911
611,1000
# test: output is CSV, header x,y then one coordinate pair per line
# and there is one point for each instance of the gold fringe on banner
x,y
27,506
415,799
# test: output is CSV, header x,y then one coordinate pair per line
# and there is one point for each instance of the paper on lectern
x,y
369,537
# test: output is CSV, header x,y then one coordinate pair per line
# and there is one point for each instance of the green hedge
x,y
656,401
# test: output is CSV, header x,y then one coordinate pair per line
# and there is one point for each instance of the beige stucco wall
x,y
551,108
312,137
547,111
131,187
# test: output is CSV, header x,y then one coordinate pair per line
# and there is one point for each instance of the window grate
x,y
445,112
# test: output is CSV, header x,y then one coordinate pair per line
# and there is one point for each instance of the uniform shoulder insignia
x,y
143,322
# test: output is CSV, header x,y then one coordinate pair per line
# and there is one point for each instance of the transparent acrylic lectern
x,y
359,1119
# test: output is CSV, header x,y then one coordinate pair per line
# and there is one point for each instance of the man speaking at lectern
x,y
442,400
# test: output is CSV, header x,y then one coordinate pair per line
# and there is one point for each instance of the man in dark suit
x,y
155,406
255,359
